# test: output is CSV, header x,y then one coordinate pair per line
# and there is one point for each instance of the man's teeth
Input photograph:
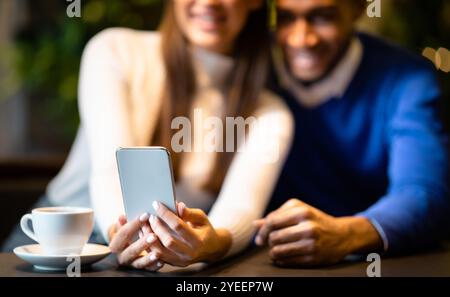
x,y
305,60
305,56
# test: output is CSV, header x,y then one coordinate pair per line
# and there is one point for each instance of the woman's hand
x,y
135,253
188,238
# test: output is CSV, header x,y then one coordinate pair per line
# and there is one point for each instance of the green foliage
x,y
48,49
419,24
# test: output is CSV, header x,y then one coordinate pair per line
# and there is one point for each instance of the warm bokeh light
x,y
440,58
444,55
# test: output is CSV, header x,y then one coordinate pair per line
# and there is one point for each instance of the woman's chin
x,y
210,42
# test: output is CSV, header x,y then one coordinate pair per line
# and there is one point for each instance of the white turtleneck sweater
x,y
120,93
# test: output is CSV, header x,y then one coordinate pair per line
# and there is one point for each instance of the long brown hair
x,y
241,90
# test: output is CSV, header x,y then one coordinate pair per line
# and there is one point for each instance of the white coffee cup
x,y
59,230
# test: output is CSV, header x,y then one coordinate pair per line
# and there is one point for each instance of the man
x,y
369,164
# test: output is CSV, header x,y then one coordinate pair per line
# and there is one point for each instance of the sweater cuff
x,y
379,229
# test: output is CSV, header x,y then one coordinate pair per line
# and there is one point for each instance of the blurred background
x,y
40,51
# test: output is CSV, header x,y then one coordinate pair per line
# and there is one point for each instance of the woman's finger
x,y
149,262
135,250
126,233
113,230
168,239
195,216
156,267
165,255
180,208
176,224
122,220
146,229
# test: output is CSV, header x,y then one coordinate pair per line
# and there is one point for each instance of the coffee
x,y
61,210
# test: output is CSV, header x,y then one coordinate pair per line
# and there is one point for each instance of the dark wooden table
x,y
256,263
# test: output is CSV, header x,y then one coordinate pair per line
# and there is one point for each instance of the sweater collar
x,y
212,69
333,85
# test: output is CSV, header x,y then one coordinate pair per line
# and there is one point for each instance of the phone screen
x,y
145,176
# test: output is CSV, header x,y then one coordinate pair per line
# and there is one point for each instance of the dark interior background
x,y
40,50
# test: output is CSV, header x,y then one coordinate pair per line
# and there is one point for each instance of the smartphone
x,y
145,176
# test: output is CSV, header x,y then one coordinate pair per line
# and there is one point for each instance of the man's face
x,y
313,34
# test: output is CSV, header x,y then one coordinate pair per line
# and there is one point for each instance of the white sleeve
x,y
105,116
253,173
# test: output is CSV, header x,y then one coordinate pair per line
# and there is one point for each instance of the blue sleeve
x,y
415,211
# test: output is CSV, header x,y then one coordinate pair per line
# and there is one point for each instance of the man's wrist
x,y
362,236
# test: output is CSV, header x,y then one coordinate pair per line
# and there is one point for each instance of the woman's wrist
x,y
221,246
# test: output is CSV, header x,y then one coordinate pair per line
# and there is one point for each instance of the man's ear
x,y
254,4
359,6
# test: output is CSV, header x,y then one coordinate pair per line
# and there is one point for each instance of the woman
x,y
231,33
209,56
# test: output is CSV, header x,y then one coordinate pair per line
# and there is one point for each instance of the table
x,y
255,263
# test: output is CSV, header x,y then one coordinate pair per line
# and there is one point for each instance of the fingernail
x,y
152,219
155,205
153,257
258,240
141,234
143,217
150,238
159,264
145,229
183,208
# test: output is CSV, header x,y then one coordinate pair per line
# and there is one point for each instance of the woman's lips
x,y
207,21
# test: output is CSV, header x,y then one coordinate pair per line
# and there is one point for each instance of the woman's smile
x,y
207,20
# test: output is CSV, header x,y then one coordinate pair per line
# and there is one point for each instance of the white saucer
x,y
33,254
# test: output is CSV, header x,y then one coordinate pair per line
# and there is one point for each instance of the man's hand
x,y
301,235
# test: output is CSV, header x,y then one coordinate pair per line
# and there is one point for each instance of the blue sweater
x,y
379,151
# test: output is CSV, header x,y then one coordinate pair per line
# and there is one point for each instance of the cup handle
x,y
26,228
